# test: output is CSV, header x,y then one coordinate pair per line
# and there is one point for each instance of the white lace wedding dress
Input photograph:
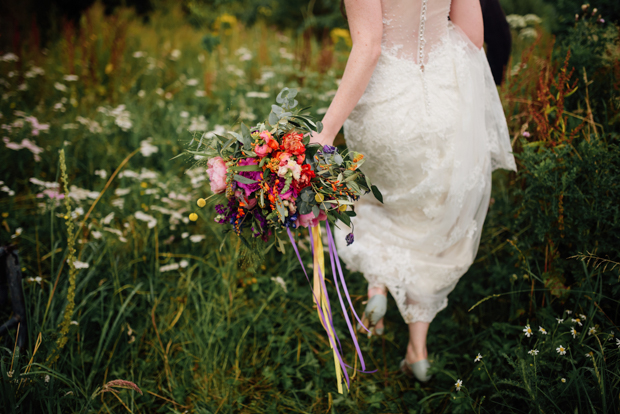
x,y
432,128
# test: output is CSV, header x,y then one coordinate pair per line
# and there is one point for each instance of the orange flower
x,y
292,143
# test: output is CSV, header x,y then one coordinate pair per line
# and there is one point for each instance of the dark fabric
x,y
497,36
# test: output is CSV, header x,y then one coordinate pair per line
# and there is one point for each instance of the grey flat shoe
x,y
375,310
417,369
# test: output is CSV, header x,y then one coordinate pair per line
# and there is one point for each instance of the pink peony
x,y
216,169
262,150
308,220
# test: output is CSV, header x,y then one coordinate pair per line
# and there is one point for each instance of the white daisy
x,y
478,358
458,384
582,316
573,332
618,342
533,352
563,380
541,329
588,355
527,331
561,350
591,331
568,312
577,321
559,320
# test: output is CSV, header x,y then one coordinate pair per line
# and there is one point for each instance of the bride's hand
x,y
321,139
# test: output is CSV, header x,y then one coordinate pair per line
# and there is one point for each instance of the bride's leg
x,y
416,348
372,291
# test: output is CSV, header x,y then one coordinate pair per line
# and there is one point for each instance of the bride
x,y
418,99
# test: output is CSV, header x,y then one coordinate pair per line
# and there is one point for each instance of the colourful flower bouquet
x,y
270,179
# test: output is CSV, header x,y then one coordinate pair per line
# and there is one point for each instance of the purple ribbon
x,y
334,260
320,310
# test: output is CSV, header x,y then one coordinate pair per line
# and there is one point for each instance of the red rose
x,y
305,177
293,144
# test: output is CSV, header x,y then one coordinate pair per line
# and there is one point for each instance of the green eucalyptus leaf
x,y
243,180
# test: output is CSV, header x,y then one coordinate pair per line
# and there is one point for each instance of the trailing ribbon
x,y
321,298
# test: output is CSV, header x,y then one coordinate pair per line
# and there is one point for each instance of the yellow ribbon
x,y
319,263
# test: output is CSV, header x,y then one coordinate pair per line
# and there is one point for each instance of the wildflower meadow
x,y
130,306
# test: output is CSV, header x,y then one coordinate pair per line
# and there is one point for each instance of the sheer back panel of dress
x,y
411,28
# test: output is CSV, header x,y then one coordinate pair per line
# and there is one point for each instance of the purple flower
x,y
349,239
252,175
526,134
328,149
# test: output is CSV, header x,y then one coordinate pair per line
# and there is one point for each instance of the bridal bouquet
x,y
270,179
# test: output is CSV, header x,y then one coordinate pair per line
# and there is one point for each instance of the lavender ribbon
x,y
334,260
320,310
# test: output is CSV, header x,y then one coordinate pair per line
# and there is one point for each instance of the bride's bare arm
x,y
366,25
467,15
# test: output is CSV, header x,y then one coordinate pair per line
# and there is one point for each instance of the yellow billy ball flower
x,y
342,207
193,217
319,198
201,202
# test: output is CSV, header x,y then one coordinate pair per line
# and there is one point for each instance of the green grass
x,y
172,307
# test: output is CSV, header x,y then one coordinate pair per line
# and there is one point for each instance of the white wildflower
x,y
184,114
191,82
577,321
23,87
141,93
175,54
582,316
146,148
107,219
563,380
184,264
591,331
96,234
47,378
559,320
200,93
60,87
533,352
197,238
527,331
568,312
169,267
159,91
561,350
541,329
573,332
101,173
151,221
478,358
70,78
93,126
9,57
80,194
281,282
184,235
458,384
262,95
80,265
18,232
198,123
588,355
618,343
139,54
76,323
